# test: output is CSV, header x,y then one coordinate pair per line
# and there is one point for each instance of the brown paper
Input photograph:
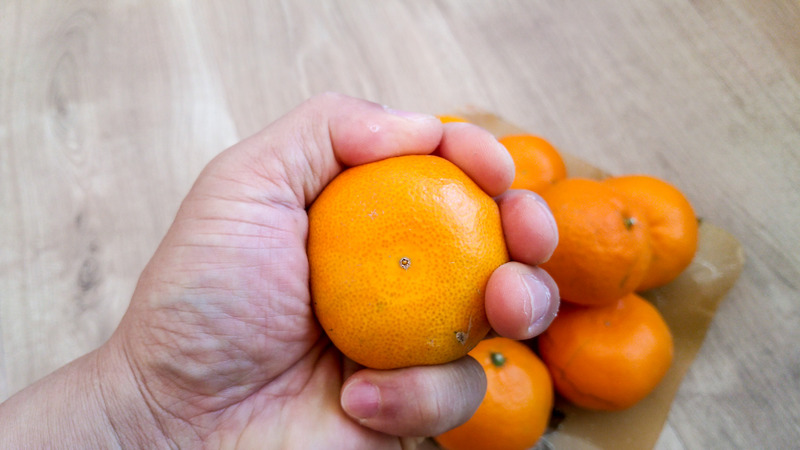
x,y
687,304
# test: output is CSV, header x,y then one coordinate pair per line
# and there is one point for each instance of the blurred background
x,y
109,110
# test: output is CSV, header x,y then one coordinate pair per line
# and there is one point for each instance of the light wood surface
x,y
109,110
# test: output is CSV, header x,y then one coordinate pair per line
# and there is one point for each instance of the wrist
x,y
123,402
92,402
64,408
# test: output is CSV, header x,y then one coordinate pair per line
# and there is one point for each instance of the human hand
x,y
220,346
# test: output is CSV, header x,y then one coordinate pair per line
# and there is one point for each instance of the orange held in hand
x,y
400,251
518,402
671,221
603,249
538,164
607,357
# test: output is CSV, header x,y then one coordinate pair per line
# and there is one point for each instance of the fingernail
x,y
549,214
547,209
361,400
539,199
414,116
539,297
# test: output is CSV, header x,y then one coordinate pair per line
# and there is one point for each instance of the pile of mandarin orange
x,y
608,348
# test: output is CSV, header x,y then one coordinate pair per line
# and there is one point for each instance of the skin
x,y
220,348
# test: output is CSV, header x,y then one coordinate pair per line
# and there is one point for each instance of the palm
x,y
251,334
303,410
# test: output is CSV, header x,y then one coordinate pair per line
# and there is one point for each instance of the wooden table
x,y
109,110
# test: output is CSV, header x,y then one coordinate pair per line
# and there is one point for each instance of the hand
x,y
220,346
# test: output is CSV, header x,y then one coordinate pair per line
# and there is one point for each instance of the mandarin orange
x,y
603,249
671,222
538,164
400,251
607,357
451,118
516,408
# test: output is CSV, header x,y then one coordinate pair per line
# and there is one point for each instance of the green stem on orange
x,y
497,359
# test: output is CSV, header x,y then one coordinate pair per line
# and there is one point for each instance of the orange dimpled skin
x,y
672,223
603,250
519,399
607,357
400,251
538,164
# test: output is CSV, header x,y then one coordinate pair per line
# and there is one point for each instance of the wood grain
x,y
109,110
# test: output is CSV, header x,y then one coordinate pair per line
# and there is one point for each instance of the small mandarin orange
x,y
603,249
538,164
519,399
607,357
451,118
671,221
